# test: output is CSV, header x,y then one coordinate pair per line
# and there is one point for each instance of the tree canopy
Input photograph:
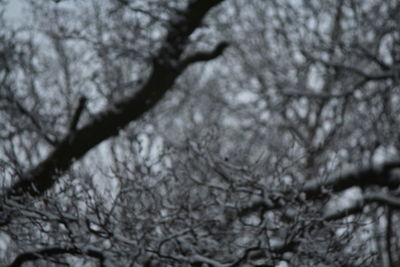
x,y
200,133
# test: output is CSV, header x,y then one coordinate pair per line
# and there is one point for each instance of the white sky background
x,y
13,10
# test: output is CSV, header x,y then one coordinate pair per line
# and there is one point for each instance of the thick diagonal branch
x,y
166,69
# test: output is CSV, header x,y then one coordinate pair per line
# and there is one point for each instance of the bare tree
x,y
284,151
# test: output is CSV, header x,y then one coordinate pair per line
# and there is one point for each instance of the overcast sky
x,y
14,10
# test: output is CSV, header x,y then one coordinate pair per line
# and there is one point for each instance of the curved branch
x,y
378,175
316,189
36,124
204,55
55,251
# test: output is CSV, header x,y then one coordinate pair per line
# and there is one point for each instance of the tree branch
x,y
378,175
55,251
204,55
315,189
357,206
77,114
33,120
383,198
368,76
166,69
337,214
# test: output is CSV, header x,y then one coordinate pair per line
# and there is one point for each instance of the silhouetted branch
x,y
77,114
108,123
378,175
204,55
357,206
317,189
55,251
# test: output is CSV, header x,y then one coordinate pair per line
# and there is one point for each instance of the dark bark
x,y
316,189
55,251
381,176
167,66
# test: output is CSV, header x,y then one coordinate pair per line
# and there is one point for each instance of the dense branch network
x,y
243,198
167,66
